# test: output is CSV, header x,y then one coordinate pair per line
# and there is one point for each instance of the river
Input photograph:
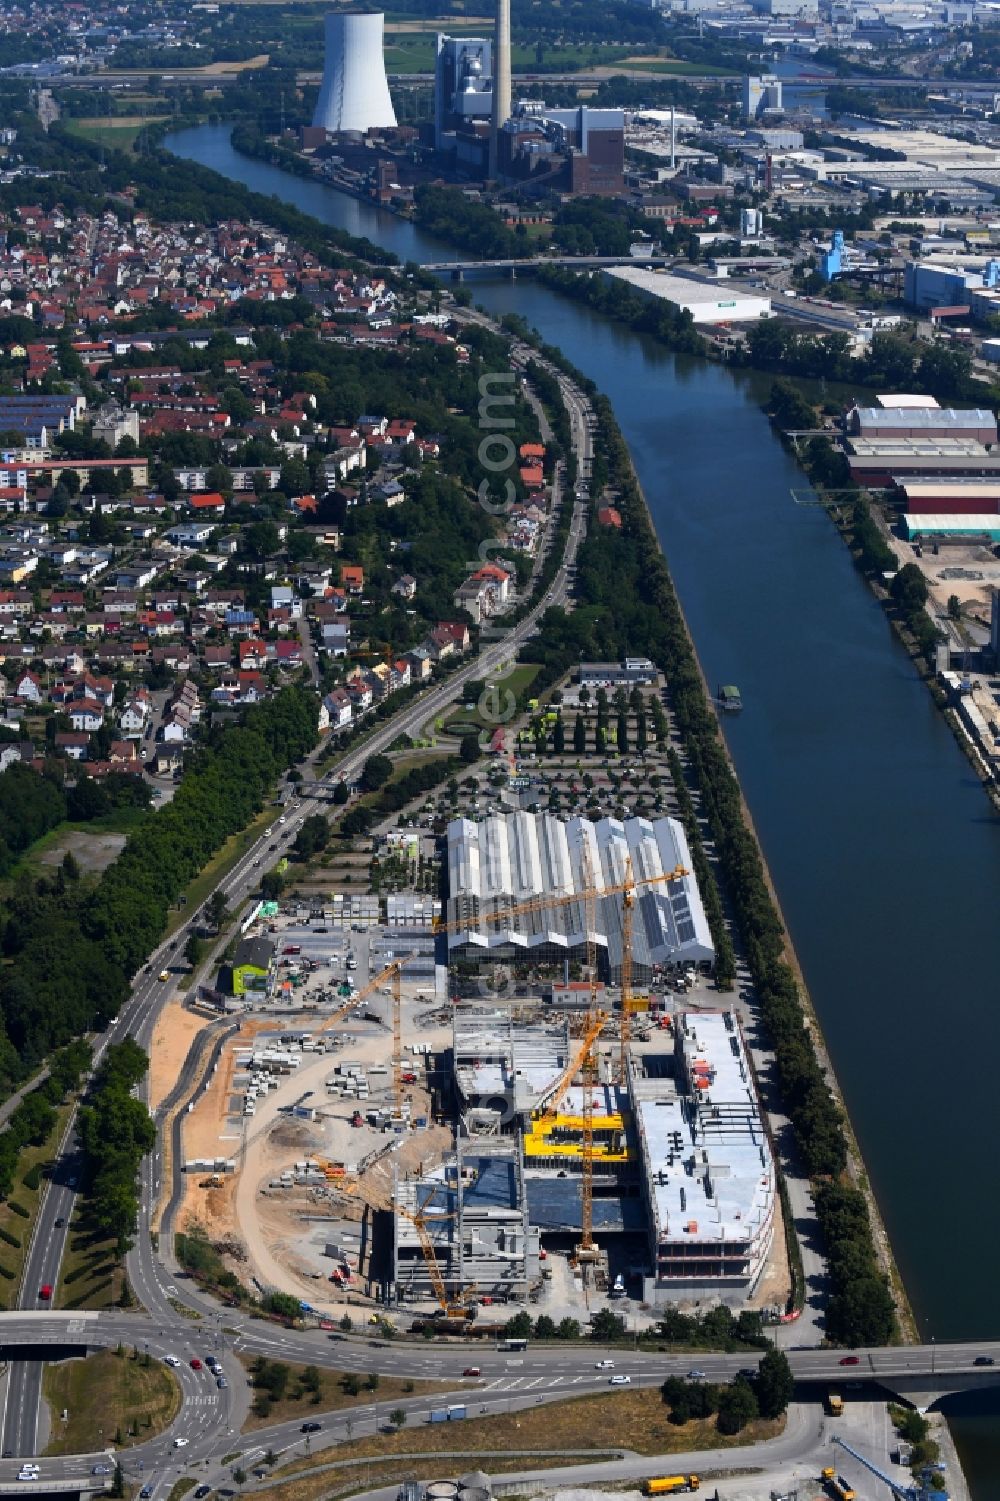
x,y
883,847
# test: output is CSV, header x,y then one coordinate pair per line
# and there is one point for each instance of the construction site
x,y
588,1136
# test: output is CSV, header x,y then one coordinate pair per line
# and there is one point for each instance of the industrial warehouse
x,y
707,302
538,862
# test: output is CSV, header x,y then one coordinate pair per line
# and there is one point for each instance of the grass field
x,y
46,852
12,1258
515,682
636,1420
111,1399
363,1475
117,134
301,1401
91,1274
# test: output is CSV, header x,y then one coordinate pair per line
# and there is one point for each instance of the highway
x,y
209,1420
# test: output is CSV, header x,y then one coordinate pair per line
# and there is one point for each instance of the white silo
x,y
354,94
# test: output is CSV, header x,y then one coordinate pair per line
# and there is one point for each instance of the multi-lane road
x,y
209,1420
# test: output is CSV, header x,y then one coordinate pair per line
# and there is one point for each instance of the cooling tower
x,y
354,94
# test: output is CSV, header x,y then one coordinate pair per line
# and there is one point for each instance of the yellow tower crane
x,y
628,911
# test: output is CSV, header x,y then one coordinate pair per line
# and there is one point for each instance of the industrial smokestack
x,y
354,95
501,81
673,141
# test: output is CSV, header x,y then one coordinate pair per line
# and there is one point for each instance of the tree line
x,y
115,1131
32,1122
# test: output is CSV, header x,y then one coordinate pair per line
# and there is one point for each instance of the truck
x,y
835,1404
447,1414
837,1485
670,1485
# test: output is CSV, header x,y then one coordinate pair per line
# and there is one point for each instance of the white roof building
x,y
508,860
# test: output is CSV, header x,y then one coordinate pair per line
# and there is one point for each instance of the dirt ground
x,y
281,1234
94,852
775,1285
176,1029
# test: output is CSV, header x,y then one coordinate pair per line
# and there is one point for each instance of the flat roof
x,y
938,521
918,447
900,400
927,489
956,417
684,292
708,1163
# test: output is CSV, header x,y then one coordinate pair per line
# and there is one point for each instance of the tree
x,y
372,1381
376,772
347,1323
559,736
579,735
194,950
398,1417
908,589
954,607
622,734
568,1329
341,793
607,1326
469,749
545,1327
737,1407
217,909
774,1384
239,1476
518,1327
272,884
352,1384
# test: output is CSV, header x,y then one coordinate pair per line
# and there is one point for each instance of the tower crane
x,y
628,910
900,1492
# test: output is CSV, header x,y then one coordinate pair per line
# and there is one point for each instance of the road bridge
x,y
525,265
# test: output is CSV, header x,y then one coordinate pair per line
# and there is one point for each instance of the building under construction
x,y
464,1228
707,1168
503,1069
678,1153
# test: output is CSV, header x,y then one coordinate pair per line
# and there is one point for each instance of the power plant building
x,y
578,150
463,87
354,95
507,860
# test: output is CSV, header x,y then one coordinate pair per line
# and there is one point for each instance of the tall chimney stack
x,y
501,82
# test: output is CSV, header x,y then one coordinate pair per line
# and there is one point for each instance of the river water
x,y
883,847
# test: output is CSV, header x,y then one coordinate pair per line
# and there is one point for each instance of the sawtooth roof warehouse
x,y
508,860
